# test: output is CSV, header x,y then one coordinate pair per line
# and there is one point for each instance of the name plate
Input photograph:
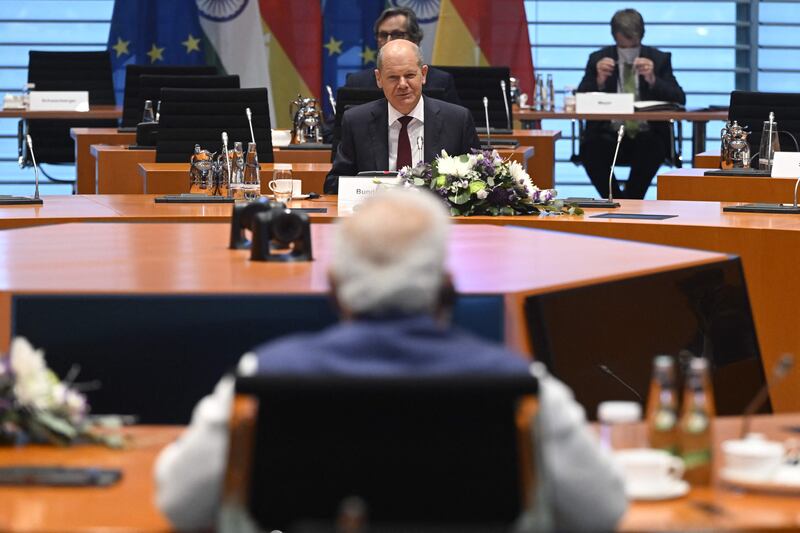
x,y
355,189
603,103
59,101
786,165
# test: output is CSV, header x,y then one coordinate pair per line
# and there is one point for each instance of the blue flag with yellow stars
x,y
348,39
153,32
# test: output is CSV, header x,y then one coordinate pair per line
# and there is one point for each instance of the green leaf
x,y
461,198
419,182
56,424
477,185
464,158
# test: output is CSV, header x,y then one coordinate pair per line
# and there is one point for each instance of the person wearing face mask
x,y
646,72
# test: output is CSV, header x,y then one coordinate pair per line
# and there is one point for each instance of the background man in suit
x,y
395,302
646,72
403,128
401,23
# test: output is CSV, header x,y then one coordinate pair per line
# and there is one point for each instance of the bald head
x,y
401,74
389,256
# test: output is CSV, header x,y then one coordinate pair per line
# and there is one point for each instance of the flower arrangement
x,y
482,183
35,406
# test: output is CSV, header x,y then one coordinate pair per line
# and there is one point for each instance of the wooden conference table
x,y
119,171
95,112
769,246
541,162
699,119
129,505
692,184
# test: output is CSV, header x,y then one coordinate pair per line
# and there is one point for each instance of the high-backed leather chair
x,y
65,71
473,83
436,453
199,116
133,103
751,109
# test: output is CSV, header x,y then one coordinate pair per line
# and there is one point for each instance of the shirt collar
x,y
418,112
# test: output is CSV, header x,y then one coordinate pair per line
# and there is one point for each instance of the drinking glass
x,y
769,145
281,185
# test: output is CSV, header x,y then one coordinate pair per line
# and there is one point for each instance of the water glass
x,y
282,185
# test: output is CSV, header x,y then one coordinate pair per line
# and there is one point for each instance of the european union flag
x,y
154,32
348,43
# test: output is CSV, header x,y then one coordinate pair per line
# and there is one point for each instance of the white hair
x,y
388,258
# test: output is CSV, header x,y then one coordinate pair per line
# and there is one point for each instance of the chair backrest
x,y
473,83
133,103
199,116
419,451
67,71
347,97
73,71
150,86
701,311
751,109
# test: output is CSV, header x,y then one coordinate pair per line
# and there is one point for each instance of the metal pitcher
x,y
306,121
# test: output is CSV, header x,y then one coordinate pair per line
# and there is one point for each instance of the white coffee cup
x,y
281,138
646,469
754,457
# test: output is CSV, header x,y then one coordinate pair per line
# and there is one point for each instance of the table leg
x,y
698,137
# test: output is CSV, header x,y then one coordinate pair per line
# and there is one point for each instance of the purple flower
x,y
499,196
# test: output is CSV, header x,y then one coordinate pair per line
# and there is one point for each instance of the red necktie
x,y
403,144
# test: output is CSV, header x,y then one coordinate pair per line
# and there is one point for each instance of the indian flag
x,y
233,28
485,33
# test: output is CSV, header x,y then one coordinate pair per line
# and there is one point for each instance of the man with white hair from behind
x,y
394,294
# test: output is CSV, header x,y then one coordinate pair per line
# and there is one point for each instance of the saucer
x,y
666,491
785,480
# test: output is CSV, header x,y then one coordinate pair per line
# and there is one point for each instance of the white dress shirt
x,y
416,134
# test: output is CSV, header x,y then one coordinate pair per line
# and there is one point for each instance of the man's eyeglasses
x,y
384,35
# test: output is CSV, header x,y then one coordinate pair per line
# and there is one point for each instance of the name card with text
x,y
354,190
786,165
59,101
601,103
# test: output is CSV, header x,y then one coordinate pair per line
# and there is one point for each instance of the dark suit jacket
x,y
365,137
436,79
665,88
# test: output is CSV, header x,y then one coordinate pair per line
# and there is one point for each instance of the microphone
x,y
36,167
606,370
486,114
250,123
227,157
770,155
505,102
331,99
421,146
779,371
620,134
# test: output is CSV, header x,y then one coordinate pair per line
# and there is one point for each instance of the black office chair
x,y
133,103
347,97
150,85
421,453
65,71
751,109
199,116
473,83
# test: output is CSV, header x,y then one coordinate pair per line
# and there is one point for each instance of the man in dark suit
x,y
401,23
646,72
403,128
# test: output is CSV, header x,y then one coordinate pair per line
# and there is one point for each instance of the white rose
x,y
521,177
25,361
453,166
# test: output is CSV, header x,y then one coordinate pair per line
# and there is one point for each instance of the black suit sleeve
x,y
344,163
469,137
589,82
666,87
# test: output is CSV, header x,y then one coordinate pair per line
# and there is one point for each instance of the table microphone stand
x,y
787,209
7,199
